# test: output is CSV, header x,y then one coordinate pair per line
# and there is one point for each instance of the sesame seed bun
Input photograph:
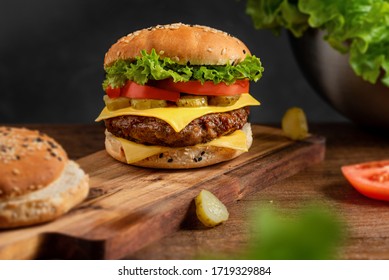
x,y
38,182
203,45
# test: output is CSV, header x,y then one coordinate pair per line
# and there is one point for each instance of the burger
x,y
38,183
177,96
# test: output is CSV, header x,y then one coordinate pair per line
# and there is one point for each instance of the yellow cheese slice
x,y
135,152
179,117
236,140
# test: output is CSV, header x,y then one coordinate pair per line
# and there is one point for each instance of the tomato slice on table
x,y
207,88
370,178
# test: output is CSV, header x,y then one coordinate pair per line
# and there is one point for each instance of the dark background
x,y
51,56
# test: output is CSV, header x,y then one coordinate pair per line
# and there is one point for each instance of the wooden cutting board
x,y
130,207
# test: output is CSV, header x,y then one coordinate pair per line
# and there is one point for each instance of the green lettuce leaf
x,y
363,24
277,14
150,66
357,27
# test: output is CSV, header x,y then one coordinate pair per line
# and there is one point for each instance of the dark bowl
x,y
330,74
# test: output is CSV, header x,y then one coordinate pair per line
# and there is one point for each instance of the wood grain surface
x,y
129,208
367,220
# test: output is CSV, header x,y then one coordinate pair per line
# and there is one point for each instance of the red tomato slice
x,y
134,90
370,179
112,92
208,88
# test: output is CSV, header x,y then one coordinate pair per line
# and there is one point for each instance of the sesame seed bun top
x,y
194,44
29,160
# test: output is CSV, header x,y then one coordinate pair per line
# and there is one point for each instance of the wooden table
x,y
367,220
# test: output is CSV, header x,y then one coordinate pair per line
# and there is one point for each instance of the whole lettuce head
x,y
357,27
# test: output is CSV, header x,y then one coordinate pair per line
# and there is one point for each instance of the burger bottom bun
x,y
180,158
47,203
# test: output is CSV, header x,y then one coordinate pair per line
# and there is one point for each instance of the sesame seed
x,y
174,26
16,189
52,145
15,171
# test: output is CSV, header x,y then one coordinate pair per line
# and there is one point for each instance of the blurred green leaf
x,y
312,234
275,14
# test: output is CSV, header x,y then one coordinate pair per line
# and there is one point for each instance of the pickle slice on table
x,y
143,104
294,124
226,100
209,209
192,101
116,103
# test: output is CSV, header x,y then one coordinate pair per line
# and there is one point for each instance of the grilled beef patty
x,y
153,131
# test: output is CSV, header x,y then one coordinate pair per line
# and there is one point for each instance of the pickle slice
x,y
143,104
226,100
209,209
294,124
116,103
192,101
